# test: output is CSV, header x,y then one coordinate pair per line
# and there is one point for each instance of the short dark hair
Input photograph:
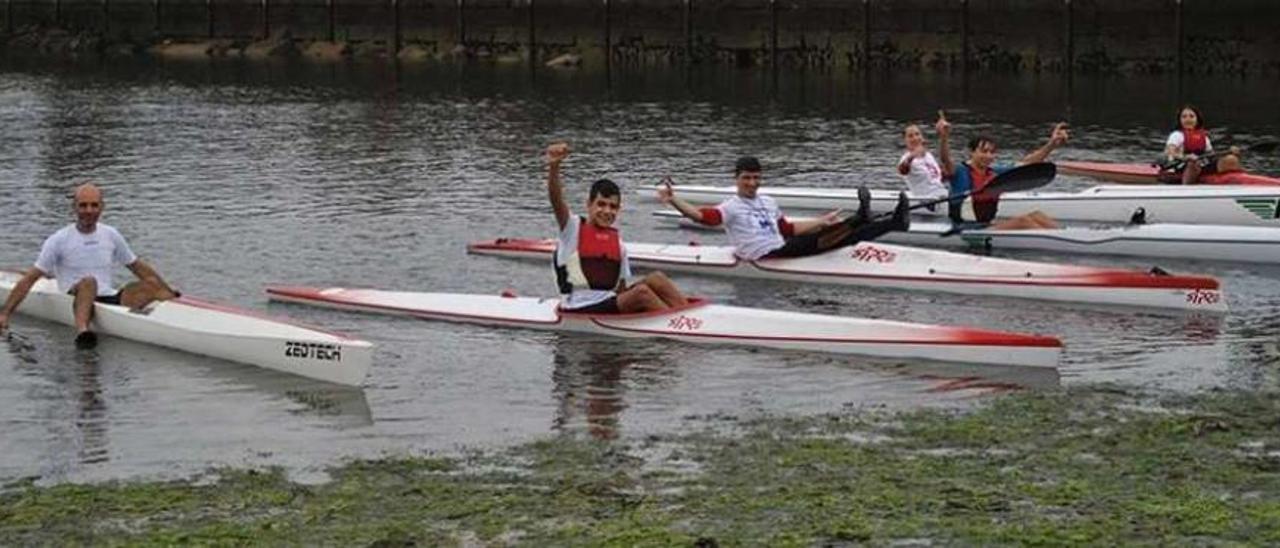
x,y
604,188
978,141
1199,117
746,163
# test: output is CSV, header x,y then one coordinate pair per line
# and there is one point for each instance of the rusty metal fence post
x,y
533,37
688,31
462,22
1178,23
608,34
395,21
964,35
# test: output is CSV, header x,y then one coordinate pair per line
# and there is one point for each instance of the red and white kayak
x,y
1147,174
899,267
1251,244
1254,205
209,329
703,323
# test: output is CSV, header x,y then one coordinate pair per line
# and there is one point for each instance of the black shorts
x,y
607,306
104,299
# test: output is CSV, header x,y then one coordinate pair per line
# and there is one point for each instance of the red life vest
x,y
1194,141
984,206
599,259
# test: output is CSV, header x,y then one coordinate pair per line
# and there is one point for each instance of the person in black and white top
x,y
592,270
82,257
758,229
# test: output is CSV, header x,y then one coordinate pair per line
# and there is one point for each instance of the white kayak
x,y
1252,244
210,329
899,267
1214,205
704,323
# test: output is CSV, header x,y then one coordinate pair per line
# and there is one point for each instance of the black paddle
x,y
1023,177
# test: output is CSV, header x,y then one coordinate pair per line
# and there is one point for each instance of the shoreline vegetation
x,y
1096,465
57,42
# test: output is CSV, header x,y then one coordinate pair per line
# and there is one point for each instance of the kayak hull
x,y
209,329
1255,205
874,264
1171,240
1147,174
1251,244
703,323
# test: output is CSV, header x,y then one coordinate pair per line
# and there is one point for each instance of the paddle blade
x,y
1025,177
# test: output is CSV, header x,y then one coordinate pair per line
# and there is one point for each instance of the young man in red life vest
x,y
758,229
974,174
1190,145
590,261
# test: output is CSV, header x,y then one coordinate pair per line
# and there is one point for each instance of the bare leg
x,y
137,295
665,289
1041,220
1191,175
1021,222
639,298
86,290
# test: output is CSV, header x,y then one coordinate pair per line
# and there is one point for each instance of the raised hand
x,y
665,193
1060,134
557,152
942,126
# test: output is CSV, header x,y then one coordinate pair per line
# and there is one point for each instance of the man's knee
x,y
658,277
88,283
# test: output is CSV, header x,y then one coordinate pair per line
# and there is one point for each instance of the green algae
x,y
1083,466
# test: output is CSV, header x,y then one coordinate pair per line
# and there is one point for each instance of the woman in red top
x,y
1189,145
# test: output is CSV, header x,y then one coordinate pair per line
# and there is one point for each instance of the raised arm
x,y
556,153
1058,138
667,195
18,293
943,128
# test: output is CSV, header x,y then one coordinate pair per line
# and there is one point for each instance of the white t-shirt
x,y
567,255
924,180
70,256
1177,139
752,225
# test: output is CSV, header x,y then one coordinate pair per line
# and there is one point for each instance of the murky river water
x,y
229,177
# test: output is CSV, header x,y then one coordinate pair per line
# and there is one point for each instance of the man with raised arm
x,y
590,259
82,257
758,230
980,168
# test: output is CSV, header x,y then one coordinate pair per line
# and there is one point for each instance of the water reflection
x,y
591,379
92,420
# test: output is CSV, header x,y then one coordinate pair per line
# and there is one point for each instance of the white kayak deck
x,y
874,264
1246,205
201,327
702,323
1254,244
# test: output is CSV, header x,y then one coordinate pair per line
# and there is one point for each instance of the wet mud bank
x,y
1090,465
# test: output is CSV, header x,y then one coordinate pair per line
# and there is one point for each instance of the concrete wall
x,y
1225,36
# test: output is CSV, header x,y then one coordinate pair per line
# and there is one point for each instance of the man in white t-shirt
x,y
82,257
758,230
